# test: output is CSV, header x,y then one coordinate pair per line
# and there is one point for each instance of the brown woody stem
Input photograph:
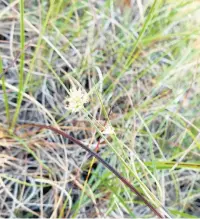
x,y
100,159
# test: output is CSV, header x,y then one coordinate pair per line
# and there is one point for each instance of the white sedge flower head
x,y
108,130
76,100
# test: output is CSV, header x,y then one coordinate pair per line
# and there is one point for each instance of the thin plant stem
x,y
21,70
100,159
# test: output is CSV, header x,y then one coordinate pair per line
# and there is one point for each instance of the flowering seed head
x,y
76,99
109,130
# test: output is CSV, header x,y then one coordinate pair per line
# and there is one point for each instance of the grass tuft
x,y
138,64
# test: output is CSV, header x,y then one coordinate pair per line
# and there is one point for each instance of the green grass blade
x,y
21,69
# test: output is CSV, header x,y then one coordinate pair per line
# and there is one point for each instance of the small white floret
x,y
109,130
76,99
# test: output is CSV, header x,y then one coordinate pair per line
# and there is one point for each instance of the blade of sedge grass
x,y
21,69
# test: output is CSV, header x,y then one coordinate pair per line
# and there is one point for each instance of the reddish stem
x,y
94,154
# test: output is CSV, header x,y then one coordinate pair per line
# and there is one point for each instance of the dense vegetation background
x,y
138,63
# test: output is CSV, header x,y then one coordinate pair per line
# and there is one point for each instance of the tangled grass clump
x,y
118,76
